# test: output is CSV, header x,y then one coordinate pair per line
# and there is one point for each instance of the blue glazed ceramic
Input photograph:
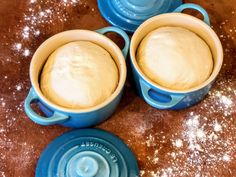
x,y
161,97
129,14
72,117
87,153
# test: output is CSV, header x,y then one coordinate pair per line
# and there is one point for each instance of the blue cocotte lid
x,y
129,14
87,153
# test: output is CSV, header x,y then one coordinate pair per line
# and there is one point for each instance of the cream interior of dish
x,y
79,75
175,58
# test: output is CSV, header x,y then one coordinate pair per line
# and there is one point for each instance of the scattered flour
x,y
17,46
19,87
178,143
150,140
39,15
217,127
226,158
3,104
203,135
26,52
33,1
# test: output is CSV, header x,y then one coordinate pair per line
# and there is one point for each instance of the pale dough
x,y
79,75
175,58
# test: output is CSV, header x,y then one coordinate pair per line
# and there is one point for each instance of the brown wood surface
x,y
199,141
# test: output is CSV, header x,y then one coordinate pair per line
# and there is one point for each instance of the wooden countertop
x,y
199,141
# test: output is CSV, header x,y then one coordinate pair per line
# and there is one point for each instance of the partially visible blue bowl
x,y
78,118
165,98
129,14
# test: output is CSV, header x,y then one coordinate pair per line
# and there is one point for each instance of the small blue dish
x,y
129,14
165,98
77,118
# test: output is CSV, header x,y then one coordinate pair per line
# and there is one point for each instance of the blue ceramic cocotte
x,y
129,14
164,98
72,117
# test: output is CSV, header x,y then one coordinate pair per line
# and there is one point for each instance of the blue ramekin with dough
x,y
78,118
165,98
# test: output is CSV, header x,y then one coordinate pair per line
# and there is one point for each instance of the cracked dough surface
x,y
79,75
175,58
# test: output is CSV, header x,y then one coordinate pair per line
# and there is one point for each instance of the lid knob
x,y
87,167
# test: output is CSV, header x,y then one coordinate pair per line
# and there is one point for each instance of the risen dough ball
x,y
79,75
175,58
